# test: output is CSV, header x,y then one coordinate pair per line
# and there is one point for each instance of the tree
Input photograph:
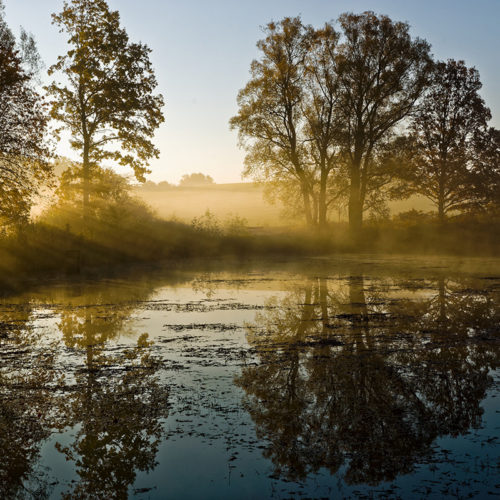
x,y
108,101
198,179
487,170
323,127
382,72
270,120
114,215
25,151
106,186
320,104
449,139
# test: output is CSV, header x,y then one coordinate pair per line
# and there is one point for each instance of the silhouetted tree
x,y
485,175
24,146
270,120
320,104
449,138
108,101
382,73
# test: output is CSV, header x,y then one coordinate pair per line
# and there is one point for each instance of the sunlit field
x,y
245,200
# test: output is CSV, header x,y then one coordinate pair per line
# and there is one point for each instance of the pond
x,y
343,377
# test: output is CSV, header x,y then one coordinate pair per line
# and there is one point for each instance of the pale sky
x,y
202,51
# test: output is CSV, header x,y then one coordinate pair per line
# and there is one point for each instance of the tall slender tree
x,y
106,99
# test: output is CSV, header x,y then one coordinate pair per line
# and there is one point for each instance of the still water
x,y
336,378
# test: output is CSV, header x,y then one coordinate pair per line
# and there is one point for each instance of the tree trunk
x,y
322,208
307,206
86,185
441,214
355,202
314,209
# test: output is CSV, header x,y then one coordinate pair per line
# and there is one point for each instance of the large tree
x,y
382,72
450,146
270,119
321,106
107,98
24,145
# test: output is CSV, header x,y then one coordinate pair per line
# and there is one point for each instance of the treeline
x,y
358,113
187,181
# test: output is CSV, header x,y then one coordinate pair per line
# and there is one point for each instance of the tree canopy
x,y
449,140
25,149
106,98
320,104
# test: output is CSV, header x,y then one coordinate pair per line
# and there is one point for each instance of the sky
x,y
202,50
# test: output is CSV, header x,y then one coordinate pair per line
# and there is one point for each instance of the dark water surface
x,y
348,377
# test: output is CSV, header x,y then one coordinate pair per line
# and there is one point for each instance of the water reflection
x,y
28,403
108,396
362,378
117,407
348,374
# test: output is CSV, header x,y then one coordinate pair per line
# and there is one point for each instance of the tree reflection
x,y
110,400
118,403
364,381
28,403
